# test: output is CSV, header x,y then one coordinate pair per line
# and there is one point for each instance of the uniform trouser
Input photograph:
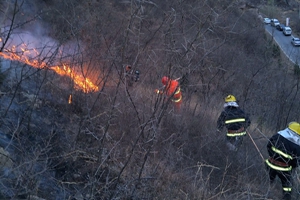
x,y
286,180
235,141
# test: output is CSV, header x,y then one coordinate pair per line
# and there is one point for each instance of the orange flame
x,y
70,99
83,83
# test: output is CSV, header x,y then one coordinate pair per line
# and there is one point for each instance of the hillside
x,y
63,139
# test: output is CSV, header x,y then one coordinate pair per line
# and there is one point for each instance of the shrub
x,y
276,51
296,69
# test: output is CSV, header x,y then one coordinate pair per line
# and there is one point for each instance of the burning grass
x,y
32,57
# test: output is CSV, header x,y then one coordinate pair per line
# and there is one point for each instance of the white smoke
x,y
34,42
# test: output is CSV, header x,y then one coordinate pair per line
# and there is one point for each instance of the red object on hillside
x,y
172,90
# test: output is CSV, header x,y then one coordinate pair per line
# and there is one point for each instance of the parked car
x,y
267,20
280,27
287,31
295,42
274,22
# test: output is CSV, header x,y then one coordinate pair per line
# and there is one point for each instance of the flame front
x,y
83,83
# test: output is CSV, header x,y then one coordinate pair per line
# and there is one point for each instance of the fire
x,y
70,99
84,83
27,56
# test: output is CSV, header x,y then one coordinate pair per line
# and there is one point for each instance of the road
x,y
293,53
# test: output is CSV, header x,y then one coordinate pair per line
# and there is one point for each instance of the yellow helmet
x,y
295,126
230,98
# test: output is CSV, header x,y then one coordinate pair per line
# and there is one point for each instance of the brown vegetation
x,y
125,142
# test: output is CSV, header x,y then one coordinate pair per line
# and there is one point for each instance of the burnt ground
x,y
34,113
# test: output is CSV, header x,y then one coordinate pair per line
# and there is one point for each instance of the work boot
x,y
287,196
238,142
272,178
231,147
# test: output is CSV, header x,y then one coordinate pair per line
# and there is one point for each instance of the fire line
x,y
83,83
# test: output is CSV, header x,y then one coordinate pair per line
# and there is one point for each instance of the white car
x,y
287,31
295,42
267,20
275,22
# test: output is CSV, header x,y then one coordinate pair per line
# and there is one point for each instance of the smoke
x,y
34,31
41,46
31,43
27,33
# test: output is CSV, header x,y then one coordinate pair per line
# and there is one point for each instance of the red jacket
x,y
173,88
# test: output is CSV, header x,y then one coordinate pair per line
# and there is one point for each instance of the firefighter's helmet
x,y
295,126
230,98
127,68
164,80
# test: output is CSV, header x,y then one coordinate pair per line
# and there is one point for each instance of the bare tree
x,y
120,140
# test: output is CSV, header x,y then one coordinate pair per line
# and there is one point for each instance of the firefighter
x,y
128,69
284,156
235,120
136,75
132,75
172,89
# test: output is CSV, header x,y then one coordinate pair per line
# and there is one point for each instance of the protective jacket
x,y
284,152
172,90
234,119
284,147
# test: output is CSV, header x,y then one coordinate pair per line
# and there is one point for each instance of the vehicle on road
x,y
280,27
267,20
287,31
296,42
274,22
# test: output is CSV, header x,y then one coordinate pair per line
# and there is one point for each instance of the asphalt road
x,y
293,53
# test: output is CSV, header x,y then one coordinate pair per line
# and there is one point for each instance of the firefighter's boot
x,y
287,196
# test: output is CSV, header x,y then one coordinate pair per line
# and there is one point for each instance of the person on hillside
x,y
131,75
284,156
172,89
235,120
